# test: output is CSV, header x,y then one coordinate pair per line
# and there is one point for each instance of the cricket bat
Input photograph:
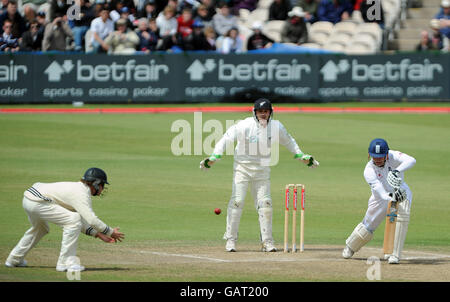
x,y
389,230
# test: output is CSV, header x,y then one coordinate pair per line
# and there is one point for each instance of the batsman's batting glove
x,y
394,179
312,163
399,195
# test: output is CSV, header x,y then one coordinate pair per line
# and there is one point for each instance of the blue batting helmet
x,y
378,148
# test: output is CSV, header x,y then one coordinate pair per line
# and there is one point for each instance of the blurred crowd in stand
x,y
145,26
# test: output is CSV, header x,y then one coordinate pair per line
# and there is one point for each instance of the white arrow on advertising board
x,y
54,72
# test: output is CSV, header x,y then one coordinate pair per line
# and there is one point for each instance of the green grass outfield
x,y
161,200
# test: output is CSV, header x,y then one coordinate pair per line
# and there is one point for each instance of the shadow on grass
x,y
88,269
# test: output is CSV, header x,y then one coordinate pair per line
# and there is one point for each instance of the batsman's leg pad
x,y
265,224
233,220
401,227
358,238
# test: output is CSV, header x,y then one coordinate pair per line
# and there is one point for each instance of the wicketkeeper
x,y
68,205
253,156
385,174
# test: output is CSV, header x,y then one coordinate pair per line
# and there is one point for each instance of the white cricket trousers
x,y
39,214
376,210
256,177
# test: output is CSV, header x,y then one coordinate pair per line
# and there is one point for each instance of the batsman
x,y
257,140
385,175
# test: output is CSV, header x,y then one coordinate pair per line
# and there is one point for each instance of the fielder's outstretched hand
x,y
104,238
116,235
308,160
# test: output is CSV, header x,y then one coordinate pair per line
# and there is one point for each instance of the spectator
x,y
57,8
203,15
123,41
223,21
140,7
56,34
334,11
149,11
29,14
258,40
437,38
231,42
279,9
32,39
18,22
81,24
433,40
210,35
364,8
185,22
101,27
174,5
425,42
210,8
310,7
197,40
8,42
148,39
40,18
154,29
295,30
125,13
444,14
168,26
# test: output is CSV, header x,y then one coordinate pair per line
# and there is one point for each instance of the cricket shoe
x,y
393,260
22,263
231,245
268,246
386,256
70,268
347,253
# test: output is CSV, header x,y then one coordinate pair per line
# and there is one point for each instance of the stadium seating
x,y
311,45
273,29
344,27
362,43
338,46
373,30
320,31
243,14
259,14
265,4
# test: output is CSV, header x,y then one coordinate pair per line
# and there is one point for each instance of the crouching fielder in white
x,y
256,150
68,205
384,173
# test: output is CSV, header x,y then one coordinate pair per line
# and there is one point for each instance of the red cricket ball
x,y
217,211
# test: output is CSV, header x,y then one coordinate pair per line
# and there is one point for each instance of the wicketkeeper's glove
x,y
399,195
312,163
394,179
205,164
